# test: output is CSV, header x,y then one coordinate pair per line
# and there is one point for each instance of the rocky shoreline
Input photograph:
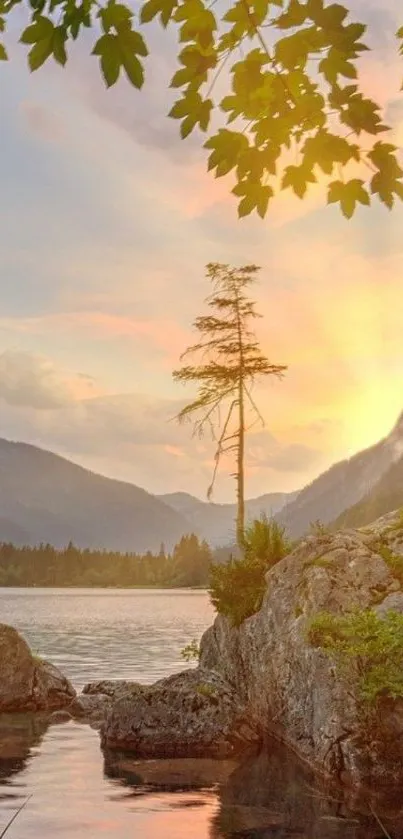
x,y
263,678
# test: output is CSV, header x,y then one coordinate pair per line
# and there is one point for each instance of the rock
x,y
27,682
90,709
294,690
93,704
112,689
190,714
60,716
391,603
51,689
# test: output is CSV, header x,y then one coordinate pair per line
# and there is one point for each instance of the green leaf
x,y
325,149
298,178
386,186
107,49
115,15
362,114
348,195
3,53
335,64
226,149
41,30
39,53
164,8
254,196
295,15
121,50
134,70
58,44
193,110
383,156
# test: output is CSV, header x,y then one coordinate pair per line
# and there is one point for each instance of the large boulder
x,y
190,714
27,683
295,690
93,704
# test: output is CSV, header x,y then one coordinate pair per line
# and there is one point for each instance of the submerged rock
x,y
27,683
190,714
294,690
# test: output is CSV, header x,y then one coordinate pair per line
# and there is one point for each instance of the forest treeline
x,y
42,566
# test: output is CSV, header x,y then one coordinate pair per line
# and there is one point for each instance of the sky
x,y
107,222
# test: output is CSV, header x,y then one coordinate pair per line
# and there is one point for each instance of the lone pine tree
x,y
230,361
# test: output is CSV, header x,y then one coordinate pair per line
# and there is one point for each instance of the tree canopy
x,y
292,111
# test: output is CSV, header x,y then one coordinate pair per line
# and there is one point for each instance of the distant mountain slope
x,y
343,485
385,497
216,522
45,498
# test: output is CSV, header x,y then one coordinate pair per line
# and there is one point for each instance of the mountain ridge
x,y
342,485
51,499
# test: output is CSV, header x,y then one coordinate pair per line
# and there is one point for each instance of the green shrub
x,y
191,651
368,648
318,529
206,690
393,561
237,587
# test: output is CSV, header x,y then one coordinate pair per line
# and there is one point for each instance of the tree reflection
x,y
267,796
19,734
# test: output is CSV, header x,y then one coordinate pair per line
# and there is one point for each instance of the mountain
x,y
216,522
385,497
343,485
45,498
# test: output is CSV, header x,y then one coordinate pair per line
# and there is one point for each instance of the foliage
x,y
292,110
206,690
191,562
393,561
367,647
192,651
319,529
237,587
188,565
230,361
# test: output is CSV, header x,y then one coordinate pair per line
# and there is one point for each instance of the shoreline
x,y
106,588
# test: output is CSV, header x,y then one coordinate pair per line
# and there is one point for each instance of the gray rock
x,y
60,716
190,714
111,688
293,689
392,603
27,682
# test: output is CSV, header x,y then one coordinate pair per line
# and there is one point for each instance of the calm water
x,y
76,792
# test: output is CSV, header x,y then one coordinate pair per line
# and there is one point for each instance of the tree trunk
x,y
240,521
240,477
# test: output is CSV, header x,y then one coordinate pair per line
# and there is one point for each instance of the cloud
x,y
265,452
131,436
28,380
42,121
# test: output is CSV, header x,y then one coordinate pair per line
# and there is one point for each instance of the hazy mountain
x,y
385,497
216,522
45,498
343,485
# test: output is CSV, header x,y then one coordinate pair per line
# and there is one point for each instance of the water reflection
x,y
267,796
20,736
77,792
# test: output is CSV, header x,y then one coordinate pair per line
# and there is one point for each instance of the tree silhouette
x,y
230,361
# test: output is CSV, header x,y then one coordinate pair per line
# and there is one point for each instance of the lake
x,y
93,634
